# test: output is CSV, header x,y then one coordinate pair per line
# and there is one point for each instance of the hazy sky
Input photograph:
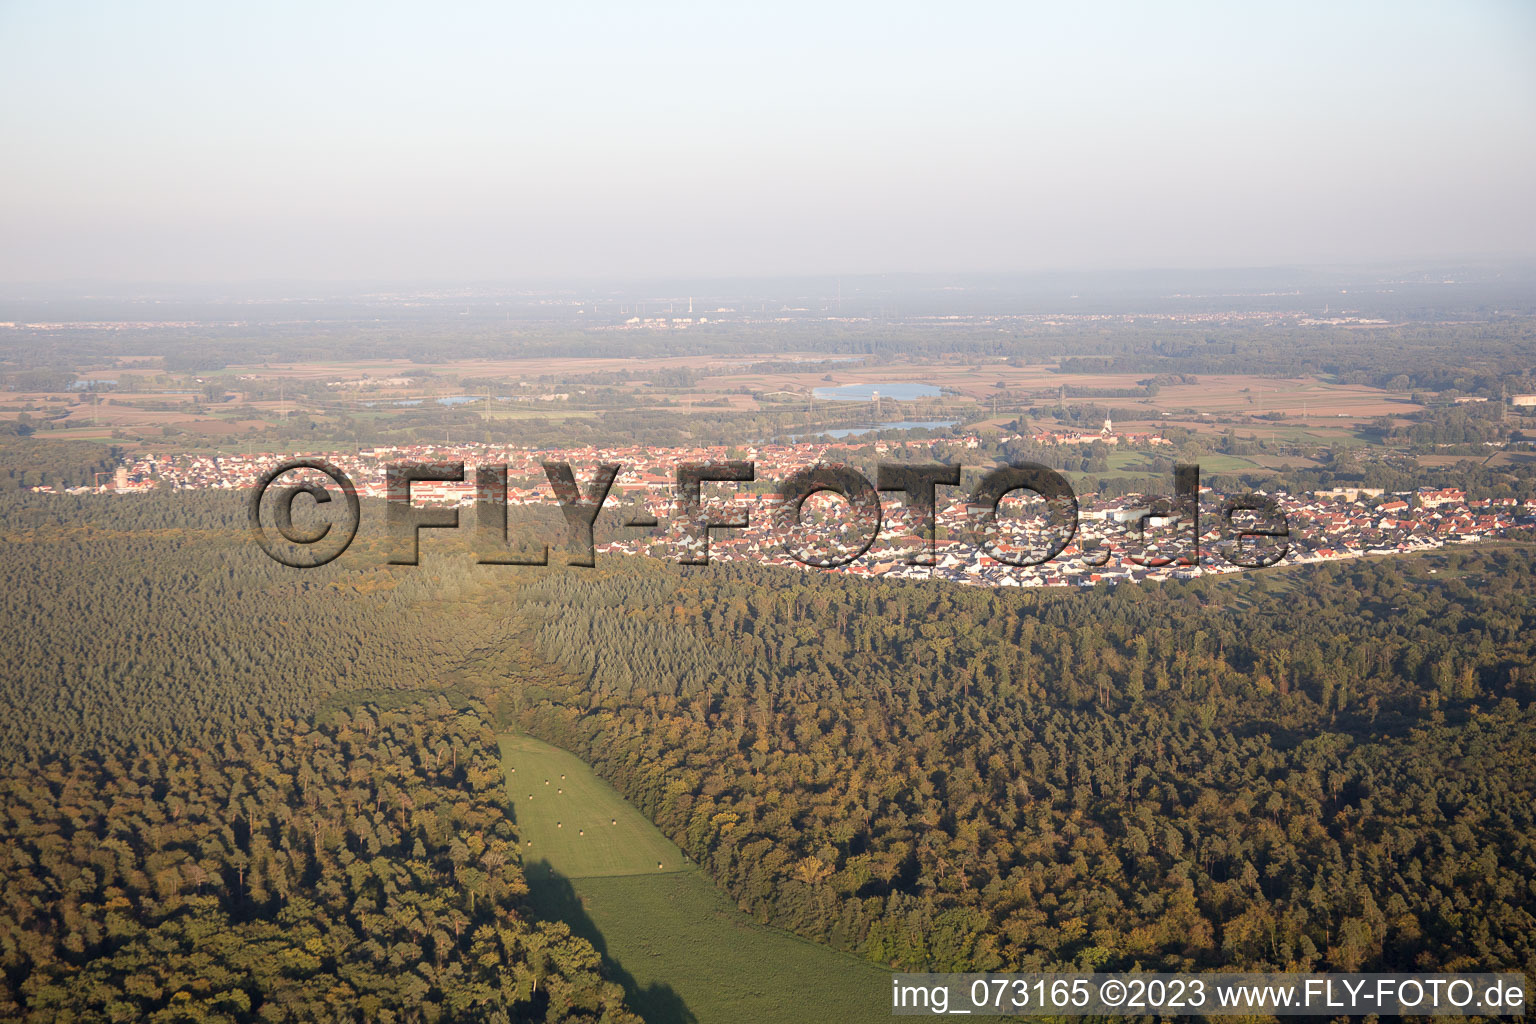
x,y
218,142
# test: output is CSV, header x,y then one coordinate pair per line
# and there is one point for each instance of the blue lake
x,y
899,391
842,432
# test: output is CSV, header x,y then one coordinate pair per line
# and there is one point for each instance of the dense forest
x,y
362,869
233,792
1325,768
236,791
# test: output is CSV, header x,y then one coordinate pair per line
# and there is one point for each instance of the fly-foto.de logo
x,y
1251,529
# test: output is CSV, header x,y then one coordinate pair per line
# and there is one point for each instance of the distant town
x,y
1109,546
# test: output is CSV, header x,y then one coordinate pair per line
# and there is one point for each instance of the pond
x,y
842,432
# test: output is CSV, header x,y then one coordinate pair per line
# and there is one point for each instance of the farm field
x,y
1138,462
683,952
251,401
1218,394
1219,463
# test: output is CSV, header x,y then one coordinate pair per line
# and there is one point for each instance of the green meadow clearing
x,y
575,822
682,950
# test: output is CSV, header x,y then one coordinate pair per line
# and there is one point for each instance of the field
x,y
1215,462
574,821
251,400
680,948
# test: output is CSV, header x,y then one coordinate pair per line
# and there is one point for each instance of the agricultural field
x,y
755,393
683,952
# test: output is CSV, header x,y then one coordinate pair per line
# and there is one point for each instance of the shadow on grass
x,y
553,898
